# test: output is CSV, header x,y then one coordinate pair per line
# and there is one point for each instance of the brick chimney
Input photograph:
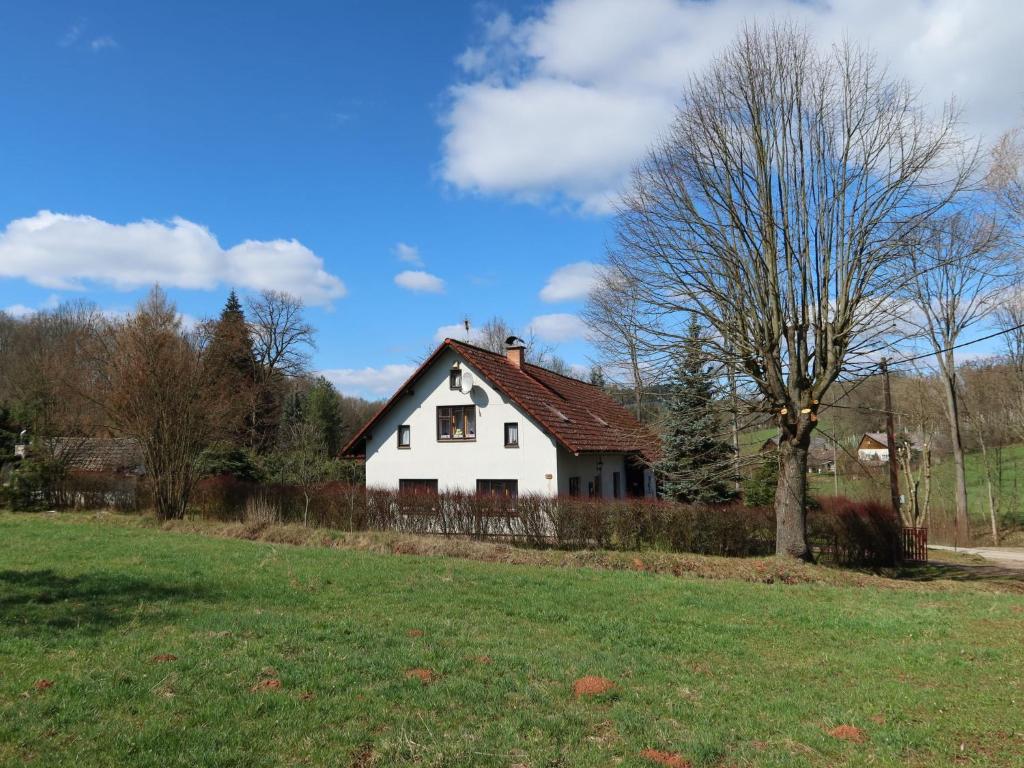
x,y
515,350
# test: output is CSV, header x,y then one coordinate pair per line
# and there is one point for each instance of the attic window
x,y
455,378
557,413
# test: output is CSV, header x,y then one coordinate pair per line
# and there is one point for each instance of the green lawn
x,y
724,673
1009,486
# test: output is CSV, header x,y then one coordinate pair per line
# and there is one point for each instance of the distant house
x,y
873,446
476,421
109,455
820,456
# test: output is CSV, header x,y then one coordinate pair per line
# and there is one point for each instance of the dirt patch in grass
x,y
591,685
667,759
161,658
363,757
42,685
425,676
848,733
415,633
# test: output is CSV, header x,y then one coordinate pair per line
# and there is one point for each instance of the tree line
x,y
233,395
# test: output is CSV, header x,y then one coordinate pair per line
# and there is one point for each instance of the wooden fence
x,y
914,544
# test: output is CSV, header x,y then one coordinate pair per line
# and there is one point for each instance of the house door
x,y
634,477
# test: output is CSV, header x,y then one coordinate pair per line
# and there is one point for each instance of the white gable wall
x,y
457,465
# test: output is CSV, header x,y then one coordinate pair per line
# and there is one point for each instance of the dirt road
x,y
1007,557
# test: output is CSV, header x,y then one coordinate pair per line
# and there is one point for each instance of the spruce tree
x,y
696,463
231,364
324,413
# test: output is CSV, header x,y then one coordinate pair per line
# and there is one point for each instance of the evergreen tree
x,y
293,412
323,411
696,464
230,350
232,365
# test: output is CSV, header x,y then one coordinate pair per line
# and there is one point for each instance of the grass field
x,y
872,482
171,649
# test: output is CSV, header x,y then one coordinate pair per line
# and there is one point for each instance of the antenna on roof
x,y
465,324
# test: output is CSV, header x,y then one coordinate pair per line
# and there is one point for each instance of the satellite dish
x,y
467,382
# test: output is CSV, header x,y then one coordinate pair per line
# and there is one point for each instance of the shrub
x,y
855,532
225,458
34,485
759,488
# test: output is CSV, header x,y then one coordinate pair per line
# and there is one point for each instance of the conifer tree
x,y
323,412
231,363
696,463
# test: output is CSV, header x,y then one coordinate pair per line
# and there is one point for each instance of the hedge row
x,y
844,531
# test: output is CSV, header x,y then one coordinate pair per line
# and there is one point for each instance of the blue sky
x,y
328,148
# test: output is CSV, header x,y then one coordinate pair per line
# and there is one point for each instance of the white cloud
x,y
571,282
410,254
99,43
65,252
558,327
71,36
19,311
369,382
419,281
22,311
562,103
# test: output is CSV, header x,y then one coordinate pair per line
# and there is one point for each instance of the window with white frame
x,y
512,434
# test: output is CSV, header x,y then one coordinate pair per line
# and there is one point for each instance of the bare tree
x,y
1006,176
776,208
1009,317
40,371
282,339
152,385
958,272
612,313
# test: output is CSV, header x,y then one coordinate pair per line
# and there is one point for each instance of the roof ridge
x,y
524,365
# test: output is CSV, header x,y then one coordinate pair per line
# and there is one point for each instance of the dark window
x,y
455,379
404,436
456,422
594,487
512,434
616,485
417,486
574,486
508,488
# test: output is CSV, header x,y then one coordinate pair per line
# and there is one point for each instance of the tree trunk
x,y
790,500
991,494
926,459
963,532
638,384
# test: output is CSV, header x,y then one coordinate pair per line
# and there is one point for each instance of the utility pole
x,y
890,437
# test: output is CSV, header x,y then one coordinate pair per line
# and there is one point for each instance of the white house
x,y
873,446
473,420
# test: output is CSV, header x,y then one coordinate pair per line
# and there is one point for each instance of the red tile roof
x,y
580,416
